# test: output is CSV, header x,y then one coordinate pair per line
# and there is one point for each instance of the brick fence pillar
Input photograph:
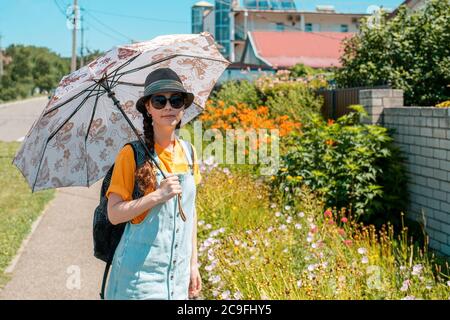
x,y
375,100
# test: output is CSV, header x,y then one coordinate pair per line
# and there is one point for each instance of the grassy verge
x,y
18,207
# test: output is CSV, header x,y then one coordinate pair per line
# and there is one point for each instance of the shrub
x,y
351,164
409,51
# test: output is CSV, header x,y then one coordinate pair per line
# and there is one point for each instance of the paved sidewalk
x,y
59,250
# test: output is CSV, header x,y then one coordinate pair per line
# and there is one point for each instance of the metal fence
x,y
336,101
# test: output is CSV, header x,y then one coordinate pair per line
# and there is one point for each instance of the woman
x,y
157,254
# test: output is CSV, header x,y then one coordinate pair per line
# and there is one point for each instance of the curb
x,y
12,265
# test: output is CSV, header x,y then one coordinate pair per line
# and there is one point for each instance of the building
x,y
412,5
275,50
199,11
231,21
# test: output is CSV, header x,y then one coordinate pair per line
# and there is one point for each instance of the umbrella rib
x,y
88,89
113,81
53,134
74,97
87,133
167,58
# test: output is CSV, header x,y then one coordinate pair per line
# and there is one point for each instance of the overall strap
x,y
189,153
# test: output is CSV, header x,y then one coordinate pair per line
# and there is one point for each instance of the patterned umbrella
x,y
92,113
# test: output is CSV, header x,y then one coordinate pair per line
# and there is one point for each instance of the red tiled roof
x,y
285,49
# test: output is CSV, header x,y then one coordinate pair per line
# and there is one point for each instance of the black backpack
x,y
107,235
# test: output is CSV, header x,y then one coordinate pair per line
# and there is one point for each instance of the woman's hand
x,y
169,187
195,283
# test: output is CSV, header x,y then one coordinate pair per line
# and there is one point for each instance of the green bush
x,y
294,99
233,92
352,165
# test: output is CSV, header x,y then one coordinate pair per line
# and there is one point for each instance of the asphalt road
x,y
56,261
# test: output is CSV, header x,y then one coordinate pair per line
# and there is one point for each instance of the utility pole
x,y
73,65
82,42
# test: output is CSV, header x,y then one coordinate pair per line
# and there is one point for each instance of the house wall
x,y
423,134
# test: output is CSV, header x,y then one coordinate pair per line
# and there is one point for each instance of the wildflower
x,y
214,233
362,250
225,295
285,250
405,285
215,293
298,226
409,298
348,242
270,229
289,219
226,171
311,267
287,207
252,258
215,279
313,245
310,219
448,283
327,214
222,230
286,189
344,219
237,295
299,283
309,239
331,222
201,222
325,264
341,231
277,214
208,226
273,205
402,268
283,227
301,214
248,232
417,269
364,260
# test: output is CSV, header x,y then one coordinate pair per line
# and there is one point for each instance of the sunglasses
x,y
177,101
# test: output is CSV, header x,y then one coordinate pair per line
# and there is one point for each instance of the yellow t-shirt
x,y
122,179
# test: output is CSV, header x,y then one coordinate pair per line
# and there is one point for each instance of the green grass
x,y
19,208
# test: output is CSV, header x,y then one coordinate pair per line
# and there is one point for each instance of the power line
x,y
103,32
138,17
108,27
59,8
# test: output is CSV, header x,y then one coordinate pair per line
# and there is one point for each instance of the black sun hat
x,y
162,80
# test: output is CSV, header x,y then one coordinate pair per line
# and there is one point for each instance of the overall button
x,y
178,229
176,246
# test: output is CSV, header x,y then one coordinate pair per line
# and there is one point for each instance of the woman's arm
x,y
194,258
122,211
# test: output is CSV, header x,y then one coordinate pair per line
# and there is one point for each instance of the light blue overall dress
x,y
152,259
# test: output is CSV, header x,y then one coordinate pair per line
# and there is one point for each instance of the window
x,y
344,27
308,27
280,26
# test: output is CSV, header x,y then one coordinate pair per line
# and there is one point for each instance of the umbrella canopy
x,y
78,135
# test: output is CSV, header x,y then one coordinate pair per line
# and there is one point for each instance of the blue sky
x,y
42,22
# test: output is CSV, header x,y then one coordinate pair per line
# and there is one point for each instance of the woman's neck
x,y
164,136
